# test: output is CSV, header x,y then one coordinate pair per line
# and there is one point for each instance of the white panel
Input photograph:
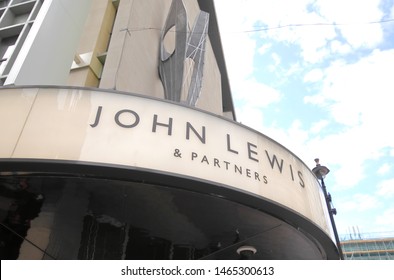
x,y
47,55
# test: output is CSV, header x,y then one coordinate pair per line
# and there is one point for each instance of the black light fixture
x,y
321,172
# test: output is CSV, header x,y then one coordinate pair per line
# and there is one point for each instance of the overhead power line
x,y
258,29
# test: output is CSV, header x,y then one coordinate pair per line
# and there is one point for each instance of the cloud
x,y
314,75
251,100
386,219
276,58
257,95
392,12
307,20
252,117
293,69
294,138
337,46
360,202
353,96
235,17
340,151
362,35
358,96
232,23
384,169
317,127
239,56
316,40
386,188
354,15
276,61
346,118
312,40
264,48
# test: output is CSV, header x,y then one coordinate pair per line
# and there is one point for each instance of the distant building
x,y
118,140
376,246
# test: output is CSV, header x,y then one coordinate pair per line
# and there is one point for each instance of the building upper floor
x,y
165,49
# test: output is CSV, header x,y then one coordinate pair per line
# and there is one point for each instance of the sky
x,y
317,76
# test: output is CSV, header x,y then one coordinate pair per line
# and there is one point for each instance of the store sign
x,y
129,119
119,129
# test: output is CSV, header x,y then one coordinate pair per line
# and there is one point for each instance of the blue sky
x,y
318,77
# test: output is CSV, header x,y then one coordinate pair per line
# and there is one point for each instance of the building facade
x,y
119,141
374,246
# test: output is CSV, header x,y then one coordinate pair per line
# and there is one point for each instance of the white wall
x,y
47,54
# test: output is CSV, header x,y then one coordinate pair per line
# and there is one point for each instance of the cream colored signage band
x,y
112,128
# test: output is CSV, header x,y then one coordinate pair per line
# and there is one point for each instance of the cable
x,y
27,240
316,24
259,29
123,45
